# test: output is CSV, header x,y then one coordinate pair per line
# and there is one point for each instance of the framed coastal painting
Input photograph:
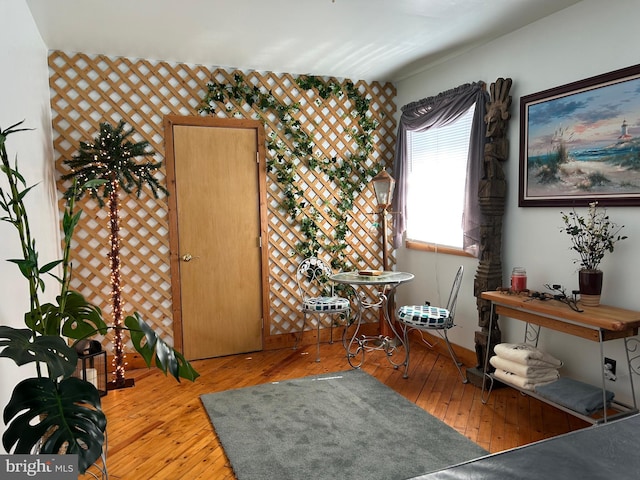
x,y
580,142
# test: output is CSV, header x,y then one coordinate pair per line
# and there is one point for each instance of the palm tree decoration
x,y
112,159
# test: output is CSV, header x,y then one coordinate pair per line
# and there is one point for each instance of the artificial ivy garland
x,y
291,147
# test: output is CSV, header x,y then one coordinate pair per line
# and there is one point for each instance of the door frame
x,y
174,241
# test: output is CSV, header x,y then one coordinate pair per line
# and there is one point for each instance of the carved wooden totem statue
x,y
491,193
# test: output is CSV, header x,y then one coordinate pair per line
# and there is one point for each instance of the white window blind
x,y
436,182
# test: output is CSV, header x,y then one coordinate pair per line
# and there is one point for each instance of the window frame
x,y
424,245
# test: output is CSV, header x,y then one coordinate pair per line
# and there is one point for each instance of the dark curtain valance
x,y
439,111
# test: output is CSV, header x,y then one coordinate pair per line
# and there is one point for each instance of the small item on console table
x,y
518,279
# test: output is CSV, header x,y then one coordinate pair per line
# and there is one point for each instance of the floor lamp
x,y
383,185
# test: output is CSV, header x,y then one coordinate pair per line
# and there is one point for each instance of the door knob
x,y
186,257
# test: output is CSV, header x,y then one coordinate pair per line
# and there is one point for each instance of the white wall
x,y
587,39
24,95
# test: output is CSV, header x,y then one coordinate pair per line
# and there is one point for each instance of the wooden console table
x,y
598,324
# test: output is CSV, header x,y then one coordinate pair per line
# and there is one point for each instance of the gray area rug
x,y
331,427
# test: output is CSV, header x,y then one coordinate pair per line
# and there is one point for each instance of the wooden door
x,y
217,219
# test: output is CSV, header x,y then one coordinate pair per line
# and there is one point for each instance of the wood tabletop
x,y
604,317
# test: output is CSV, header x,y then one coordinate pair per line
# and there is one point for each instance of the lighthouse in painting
x,y
624,132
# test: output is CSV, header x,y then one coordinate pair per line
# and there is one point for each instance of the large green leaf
x,y
82,319
63,413
74,318
148,344
24,346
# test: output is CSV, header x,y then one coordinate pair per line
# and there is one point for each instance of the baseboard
x,y
288,340
133,361
466,356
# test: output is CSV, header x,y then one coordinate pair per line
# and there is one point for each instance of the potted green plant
x,y
591,236
55,412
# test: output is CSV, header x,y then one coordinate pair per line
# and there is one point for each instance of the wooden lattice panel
x,y
87,90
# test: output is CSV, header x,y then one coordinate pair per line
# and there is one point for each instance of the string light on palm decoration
x,y
113,159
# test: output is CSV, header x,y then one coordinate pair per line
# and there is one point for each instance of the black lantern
x,y
92,364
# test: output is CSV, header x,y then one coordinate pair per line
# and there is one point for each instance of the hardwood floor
x,y
159,430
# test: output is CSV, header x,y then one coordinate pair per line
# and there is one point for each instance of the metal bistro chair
x,y
317,296
428,318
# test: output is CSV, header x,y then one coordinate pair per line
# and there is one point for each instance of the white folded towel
x,y
526,371
526,355
522,382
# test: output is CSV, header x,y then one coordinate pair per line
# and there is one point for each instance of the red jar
x,y
518,279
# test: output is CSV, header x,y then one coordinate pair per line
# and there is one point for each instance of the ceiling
x,y
384,40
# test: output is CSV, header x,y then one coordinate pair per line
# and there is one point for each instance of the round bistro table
x,y
387,282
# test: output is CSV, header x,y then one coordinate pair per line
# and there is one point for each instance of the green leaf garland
x,y
291,147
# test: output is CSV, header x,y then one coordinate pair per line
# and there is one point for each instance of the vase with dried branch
x,y
592,236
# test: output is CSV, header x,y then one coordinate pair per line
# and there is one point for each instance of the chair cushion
x,y
326,304
423,316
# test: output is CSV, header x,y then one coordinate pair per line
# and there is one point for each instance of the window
x,y
436,182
